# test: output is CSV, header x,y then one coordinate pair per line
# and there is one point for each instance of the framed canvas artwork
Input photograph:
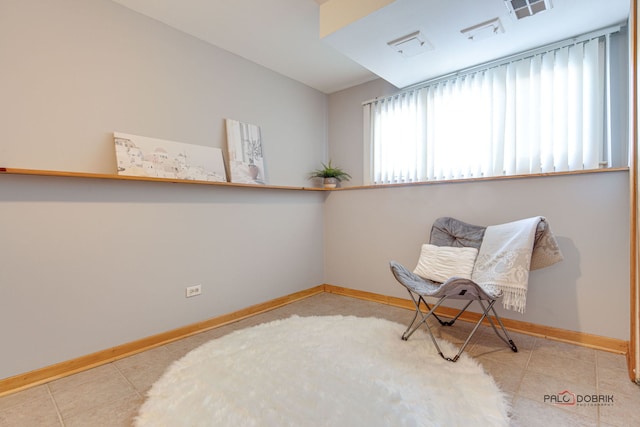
x,y
158,158
246,162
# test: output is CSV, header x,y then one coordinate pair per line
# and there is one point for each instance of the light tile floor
x,y
110,395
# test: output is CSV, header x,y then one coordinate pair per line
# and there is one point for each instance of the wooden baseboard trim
x,y
63,369
578,338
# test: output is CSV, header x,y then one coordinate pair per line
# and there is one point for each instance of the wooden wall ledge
x,y
16,171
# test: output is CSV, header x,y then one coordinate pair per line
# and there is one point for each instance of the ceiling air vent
x,y
523,8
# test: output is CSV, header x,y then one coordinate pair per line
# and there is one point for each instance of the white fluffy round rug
x,y
323,371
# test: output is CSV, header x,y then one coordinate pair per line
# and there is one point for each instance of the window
x,y
546,111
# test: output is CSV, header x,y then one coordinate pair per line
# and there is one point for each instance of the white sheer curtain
x,y
544,113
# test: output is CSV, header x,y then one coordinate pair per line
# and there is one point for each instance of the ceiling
x,y
284,35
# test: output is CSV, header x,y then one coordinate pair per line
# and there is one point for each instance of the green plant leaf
x,y
329,171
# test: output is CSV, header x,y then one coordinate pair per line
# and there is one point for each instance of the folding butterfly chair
x,y
449,232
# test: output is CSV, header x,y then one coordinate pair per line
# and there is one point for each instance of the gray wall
x,y
90,264
364,229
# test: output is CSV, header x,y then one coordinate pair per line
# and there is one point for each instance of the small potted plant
x,y
330,174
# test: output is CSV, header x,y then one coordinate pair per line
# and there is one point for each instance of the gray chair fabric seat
x,y
447,231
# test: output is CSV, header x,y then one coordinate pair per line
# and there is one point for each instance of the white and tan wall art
x,y
246,162
158,158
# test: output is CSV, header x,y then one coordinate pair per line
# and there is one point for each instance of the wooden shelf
x,y
15,171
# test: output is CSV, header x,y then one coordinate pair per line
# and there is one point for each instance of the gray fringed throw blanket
x,y
508,252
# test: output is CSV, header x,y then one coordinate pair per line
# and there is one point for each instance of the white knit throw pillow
x,y
440,263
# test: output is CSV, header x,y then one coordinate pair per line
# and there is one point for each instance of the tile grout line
x,y
55,404
127,380
597,385
131,384
516,394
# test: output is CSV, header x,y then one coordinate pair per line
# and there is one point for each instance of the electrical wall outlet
x,y
193,291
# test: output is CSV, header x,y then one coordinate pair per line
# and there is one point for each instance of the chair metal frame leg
x,y
506,338
417,302
424,316
431,312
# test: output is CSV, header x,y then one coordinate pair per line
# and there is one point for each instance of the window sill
x,y
489,178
